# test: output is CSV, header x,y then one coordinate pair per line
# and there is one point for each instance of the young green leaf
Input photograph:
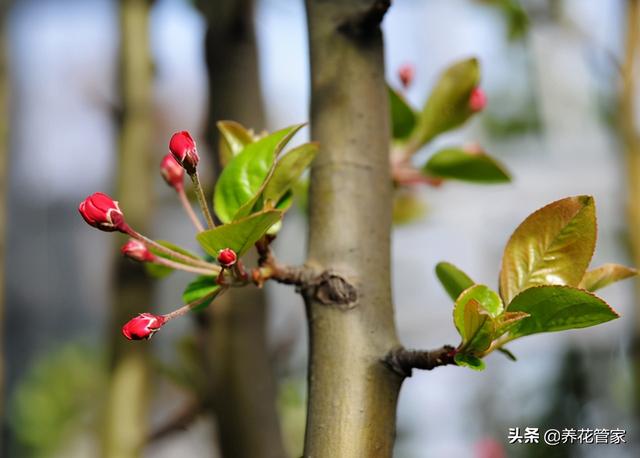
x,y
470,361
457,164
472,308
239,235
507,353
288,170
198,288
453,279
233,138
557,308
448,104
605,275
552,246
158,271
508,321
403,118
242,178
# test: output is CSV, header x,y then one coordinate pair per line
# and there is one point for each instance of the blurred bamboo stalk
x,y
125,428
242,389
631,143
4,174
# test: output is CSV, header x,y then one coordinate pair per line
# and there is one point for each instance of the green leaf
x,y
403,117
470,361
473,307
557,308
239,235
288,170
199,288
448,104
242,179
552,246
508,321
457,164
507,353
453,279
159,271
605,275
233,139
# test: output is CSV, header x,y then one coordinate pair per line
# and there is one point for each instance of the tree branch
x,y
402,361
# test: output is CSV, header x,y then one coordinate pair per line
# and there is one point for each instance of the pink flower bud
x,y
406,73
183,148
172,172
102,212
477,100
143,326
138,251
227,257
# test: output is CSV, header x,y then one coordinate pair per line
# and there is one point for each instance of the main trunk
x,y
352,394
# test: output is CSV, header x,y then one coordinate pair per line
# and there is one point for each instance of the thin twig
x,y
402,361
179,266
187,208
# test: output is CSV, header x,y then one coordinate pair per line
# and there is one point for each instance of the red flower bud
x,y
183,148
143,326
406,73
101,211
477,100
227,257
138,251
172,172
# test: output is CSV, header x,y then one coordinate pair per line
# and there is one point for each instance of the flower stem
x,y
187,207
172,253
177,265
202,200
185,308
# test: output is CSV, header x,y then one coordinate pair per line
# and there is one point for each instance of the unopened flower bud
x,y
477,100
183,148
406,73
136,250
143,326
102,212
172,172
227,257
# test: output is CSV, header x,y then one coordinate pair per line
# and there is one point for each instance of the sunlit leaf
x,y
200,287
556,308
233,138
554,245
288,170
239,235
470,361
403,117
453,279
448,105
605,275
159,271
242,179
508,321
458,164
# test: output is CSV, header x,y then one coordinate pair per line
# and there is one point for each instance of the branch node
x,y
332,289
403,361
363,23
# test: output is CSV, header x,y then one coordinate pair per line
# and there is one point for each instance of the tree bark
x,y
243,388
352,393
125,429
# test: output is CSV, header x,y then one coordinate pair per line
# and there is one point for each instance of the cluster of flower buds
x,y
102,212
406,73
143,326
184,151
477,100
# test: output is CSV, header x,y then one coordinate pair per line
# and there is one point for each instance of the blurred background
x,y
91,88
